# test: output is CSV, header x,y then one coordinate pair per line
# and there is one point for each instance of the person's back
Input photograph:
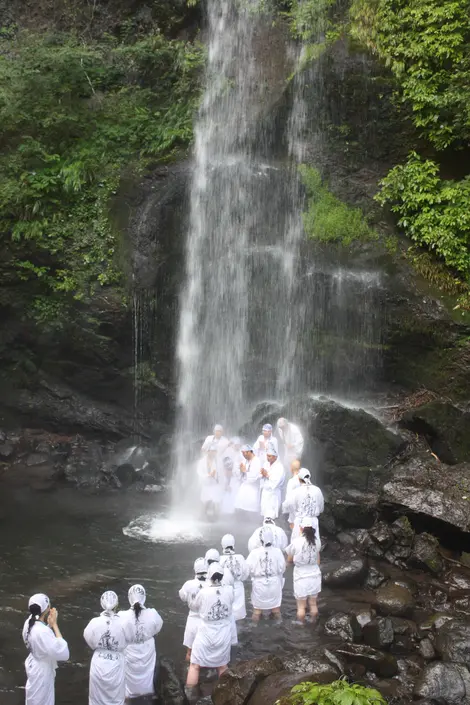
x,y
45,650
279,537
266,562
308,501
215,605
141,653
189,592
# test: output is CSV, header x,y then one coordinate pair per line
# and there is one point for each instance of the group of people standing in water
x,y
123,642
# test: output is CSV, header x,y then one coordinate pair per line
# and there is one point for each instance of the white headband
x,y
136,594
41,600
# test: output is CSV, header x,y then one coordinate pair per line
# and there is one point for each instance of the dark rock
x,y
382,534
375,578
423,485
346,539
6,451
126,474
312,663
169,688
237,685
404,626
434,622
446,682
378,633
280,684
382,664
345,626
425,554
352,508
85,464
403,531
453,641
459,581
351,571
445,427
36,459
426,649
394,600
366,545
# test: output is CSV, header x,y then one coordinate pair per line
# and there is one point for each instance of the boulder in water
x,y
344,626
378,662
238,684
445,682
280,684
350,571
453,641
378,633
394,600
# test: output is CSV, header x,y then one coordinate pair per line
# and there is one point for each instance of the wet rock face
x,y
378,633
394,600
425,554
344,626
280,684
445,682
445,427
238,684
453,641
423,485
169,689
350,571
378,662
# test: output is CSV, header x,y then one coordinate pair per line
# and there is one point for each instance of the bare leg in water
x,y
193,675
276,613
256,616
301,609
312,605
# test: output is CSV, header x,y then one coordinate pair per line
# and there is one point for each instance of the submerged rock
x,y
446,682
237,685
394,600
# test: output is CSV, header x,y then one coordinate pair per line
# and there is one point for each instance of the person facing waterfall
x,y
267,566
216,439
272,482
212,645
292,485
141,656
231,461
304,552
46,647
279,535
261,444
306,501
208,471
188,594
248,495
108,635
236,564
292,438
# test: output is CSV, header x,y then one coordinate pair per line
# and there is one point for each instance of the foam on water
x,y
165,529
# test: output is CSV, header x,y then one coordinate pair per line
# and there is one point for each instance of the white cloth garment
x,y
293,441
231,484
280,538
307,574
266,566
305,501
248,495
211,647
271,489
211,487
108,636
261,445
141,655
188,594
221,444
292,485
45,650
236,564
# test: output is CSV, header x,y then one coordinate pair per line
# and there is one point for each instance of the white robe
x,y
271,490
307,574
280,538
211,487
261,445
188,594
231,485
292,485
45,650
305,501
211,648
141,655
236,564
221,444
248,495
108,636
266,566
292,436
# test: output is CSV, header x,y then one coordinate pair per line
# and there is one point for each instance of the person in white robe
x,y
108,635
280,539
304,552
231,461
212,645
140,656
272,482
218,439
306,501
292,485
188,594
267,566
292,438
46,647
266,438
236,564
248,495
210,481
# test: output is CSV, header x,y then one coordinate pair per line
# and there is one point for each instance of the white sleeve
x,y
90,636
276,478
158,622
282,561
183,595
282,539
245,571
320,501
49,645
288,504
298,441
289,550
207,443
254,473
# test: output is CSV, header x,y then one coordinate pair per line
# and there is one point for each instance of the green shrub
x,y
328,218
337,693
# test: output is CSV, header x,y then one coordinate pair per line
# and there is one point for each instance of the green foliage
x,y
337,693
328,218
73,117
433,212
426,43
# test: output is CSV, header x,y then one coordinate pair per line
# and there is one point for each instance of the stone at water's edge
x,y
280,684
423,485
445,427
168,687
394,600
351,571
425,554
237,685
453,641
378,662
447,682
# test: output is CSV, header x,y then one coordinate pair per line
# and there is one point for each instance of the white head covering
x,y
268,520
109,600
304,475
218,427
212,555
200,565
247,448
228,540
306,522
40,599
136,594
267,535
267,427
214,568
236,441
271,450
282,423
